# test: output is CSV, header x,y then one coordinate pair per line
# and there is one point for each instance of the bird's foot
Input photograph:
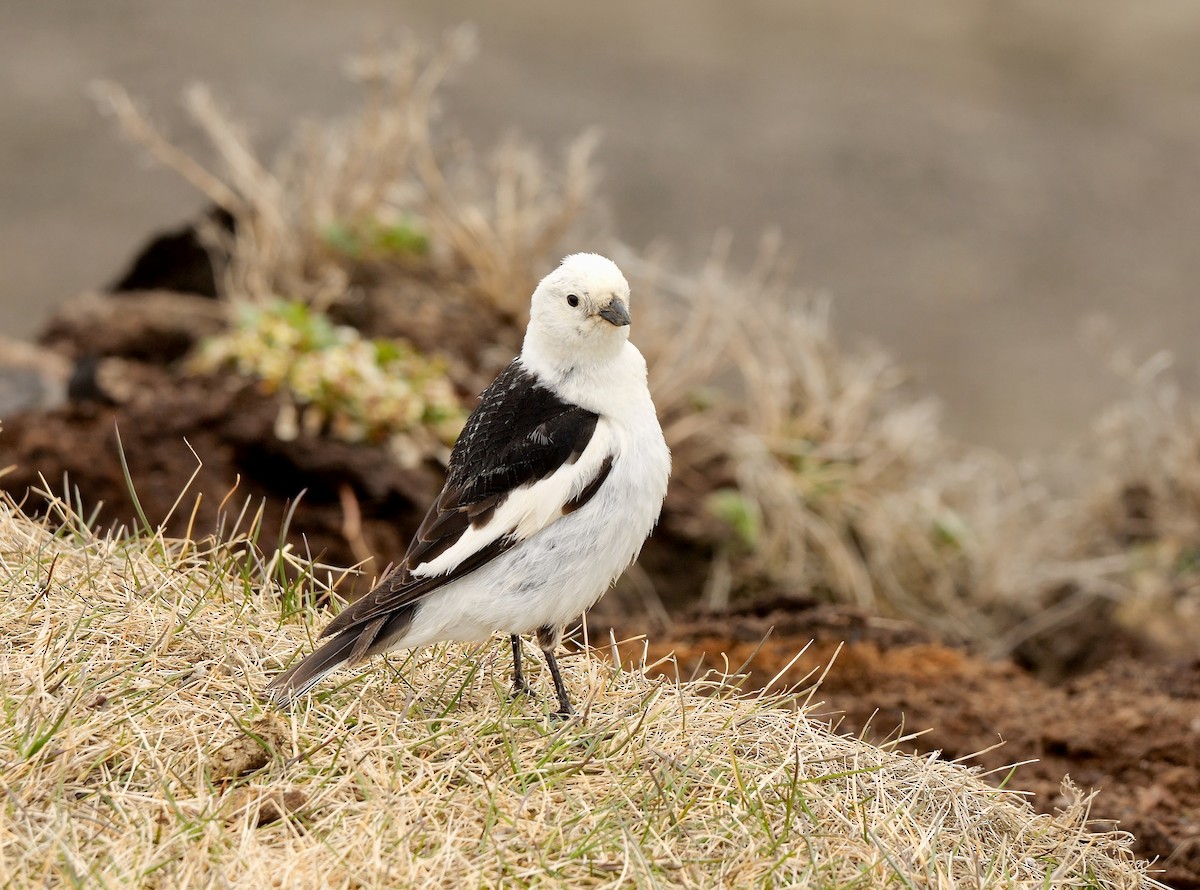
x,y
521,690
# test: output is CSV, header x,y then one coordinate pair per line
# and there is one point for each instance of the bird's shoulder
x,y
520,431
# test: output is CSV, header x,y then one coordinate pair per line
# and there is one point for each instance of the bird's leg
x,y
548,638
564,702
520,684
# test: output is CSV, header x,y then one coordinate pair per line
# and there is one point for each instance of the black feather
x,y
402,590
520,432
589,490
299,677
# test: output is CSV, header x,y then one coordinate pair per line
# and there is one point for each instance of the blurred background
x,y
972,182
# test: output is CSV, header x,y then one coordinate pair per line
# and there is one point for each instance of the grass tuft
x,y
828,469
1138,515
372,189
134,751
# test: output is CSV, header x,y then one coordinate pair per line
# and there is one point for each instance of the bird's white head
x,y
580,312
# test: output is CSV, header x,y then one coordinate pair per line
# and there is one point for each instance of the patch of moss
x,y
376,239
335,380
739,513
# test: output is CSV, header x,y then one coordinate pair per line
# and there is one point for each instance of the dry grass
x,y
383,169
848,484
135,753
1138,519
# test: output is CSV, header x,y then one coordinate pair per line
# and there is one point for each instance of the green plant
x,y
332,378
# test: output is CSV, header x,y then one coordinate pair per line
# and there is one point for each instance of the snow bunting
x,y
553,486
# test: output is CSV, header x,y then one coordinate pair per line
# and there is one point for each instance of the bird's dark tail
x,y
346,648
300,678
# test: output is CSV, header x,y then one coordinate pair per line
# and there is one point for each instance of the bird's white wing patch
x,y
530,508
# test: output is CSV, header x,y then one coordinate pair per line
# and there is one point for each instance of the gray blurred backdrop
x,y
970,180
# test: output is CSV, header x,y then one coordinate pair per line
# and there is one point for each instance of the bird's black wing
x,y
520,433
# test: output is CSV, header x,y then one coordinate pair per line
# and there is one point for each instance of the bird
x,y
552,487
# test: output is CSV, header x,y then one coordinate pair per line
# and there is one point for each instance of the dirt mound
x,y
229,423
1128,729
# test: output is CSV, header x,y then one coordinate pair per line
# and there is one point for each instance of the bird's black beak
x,y
615,313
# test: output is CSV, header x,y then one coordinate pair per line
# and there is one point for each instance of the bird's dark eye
x,y
572,300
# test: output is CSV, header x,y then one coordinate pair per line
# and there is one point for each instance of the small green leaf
x,y
739,512
405,237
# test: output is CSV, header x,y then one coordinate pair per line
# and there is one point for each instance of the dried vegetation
x,y
133,752
376,184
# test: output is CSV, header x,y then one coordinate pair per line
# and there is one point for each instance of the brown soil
x,y
356,504
1129,730
229,424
